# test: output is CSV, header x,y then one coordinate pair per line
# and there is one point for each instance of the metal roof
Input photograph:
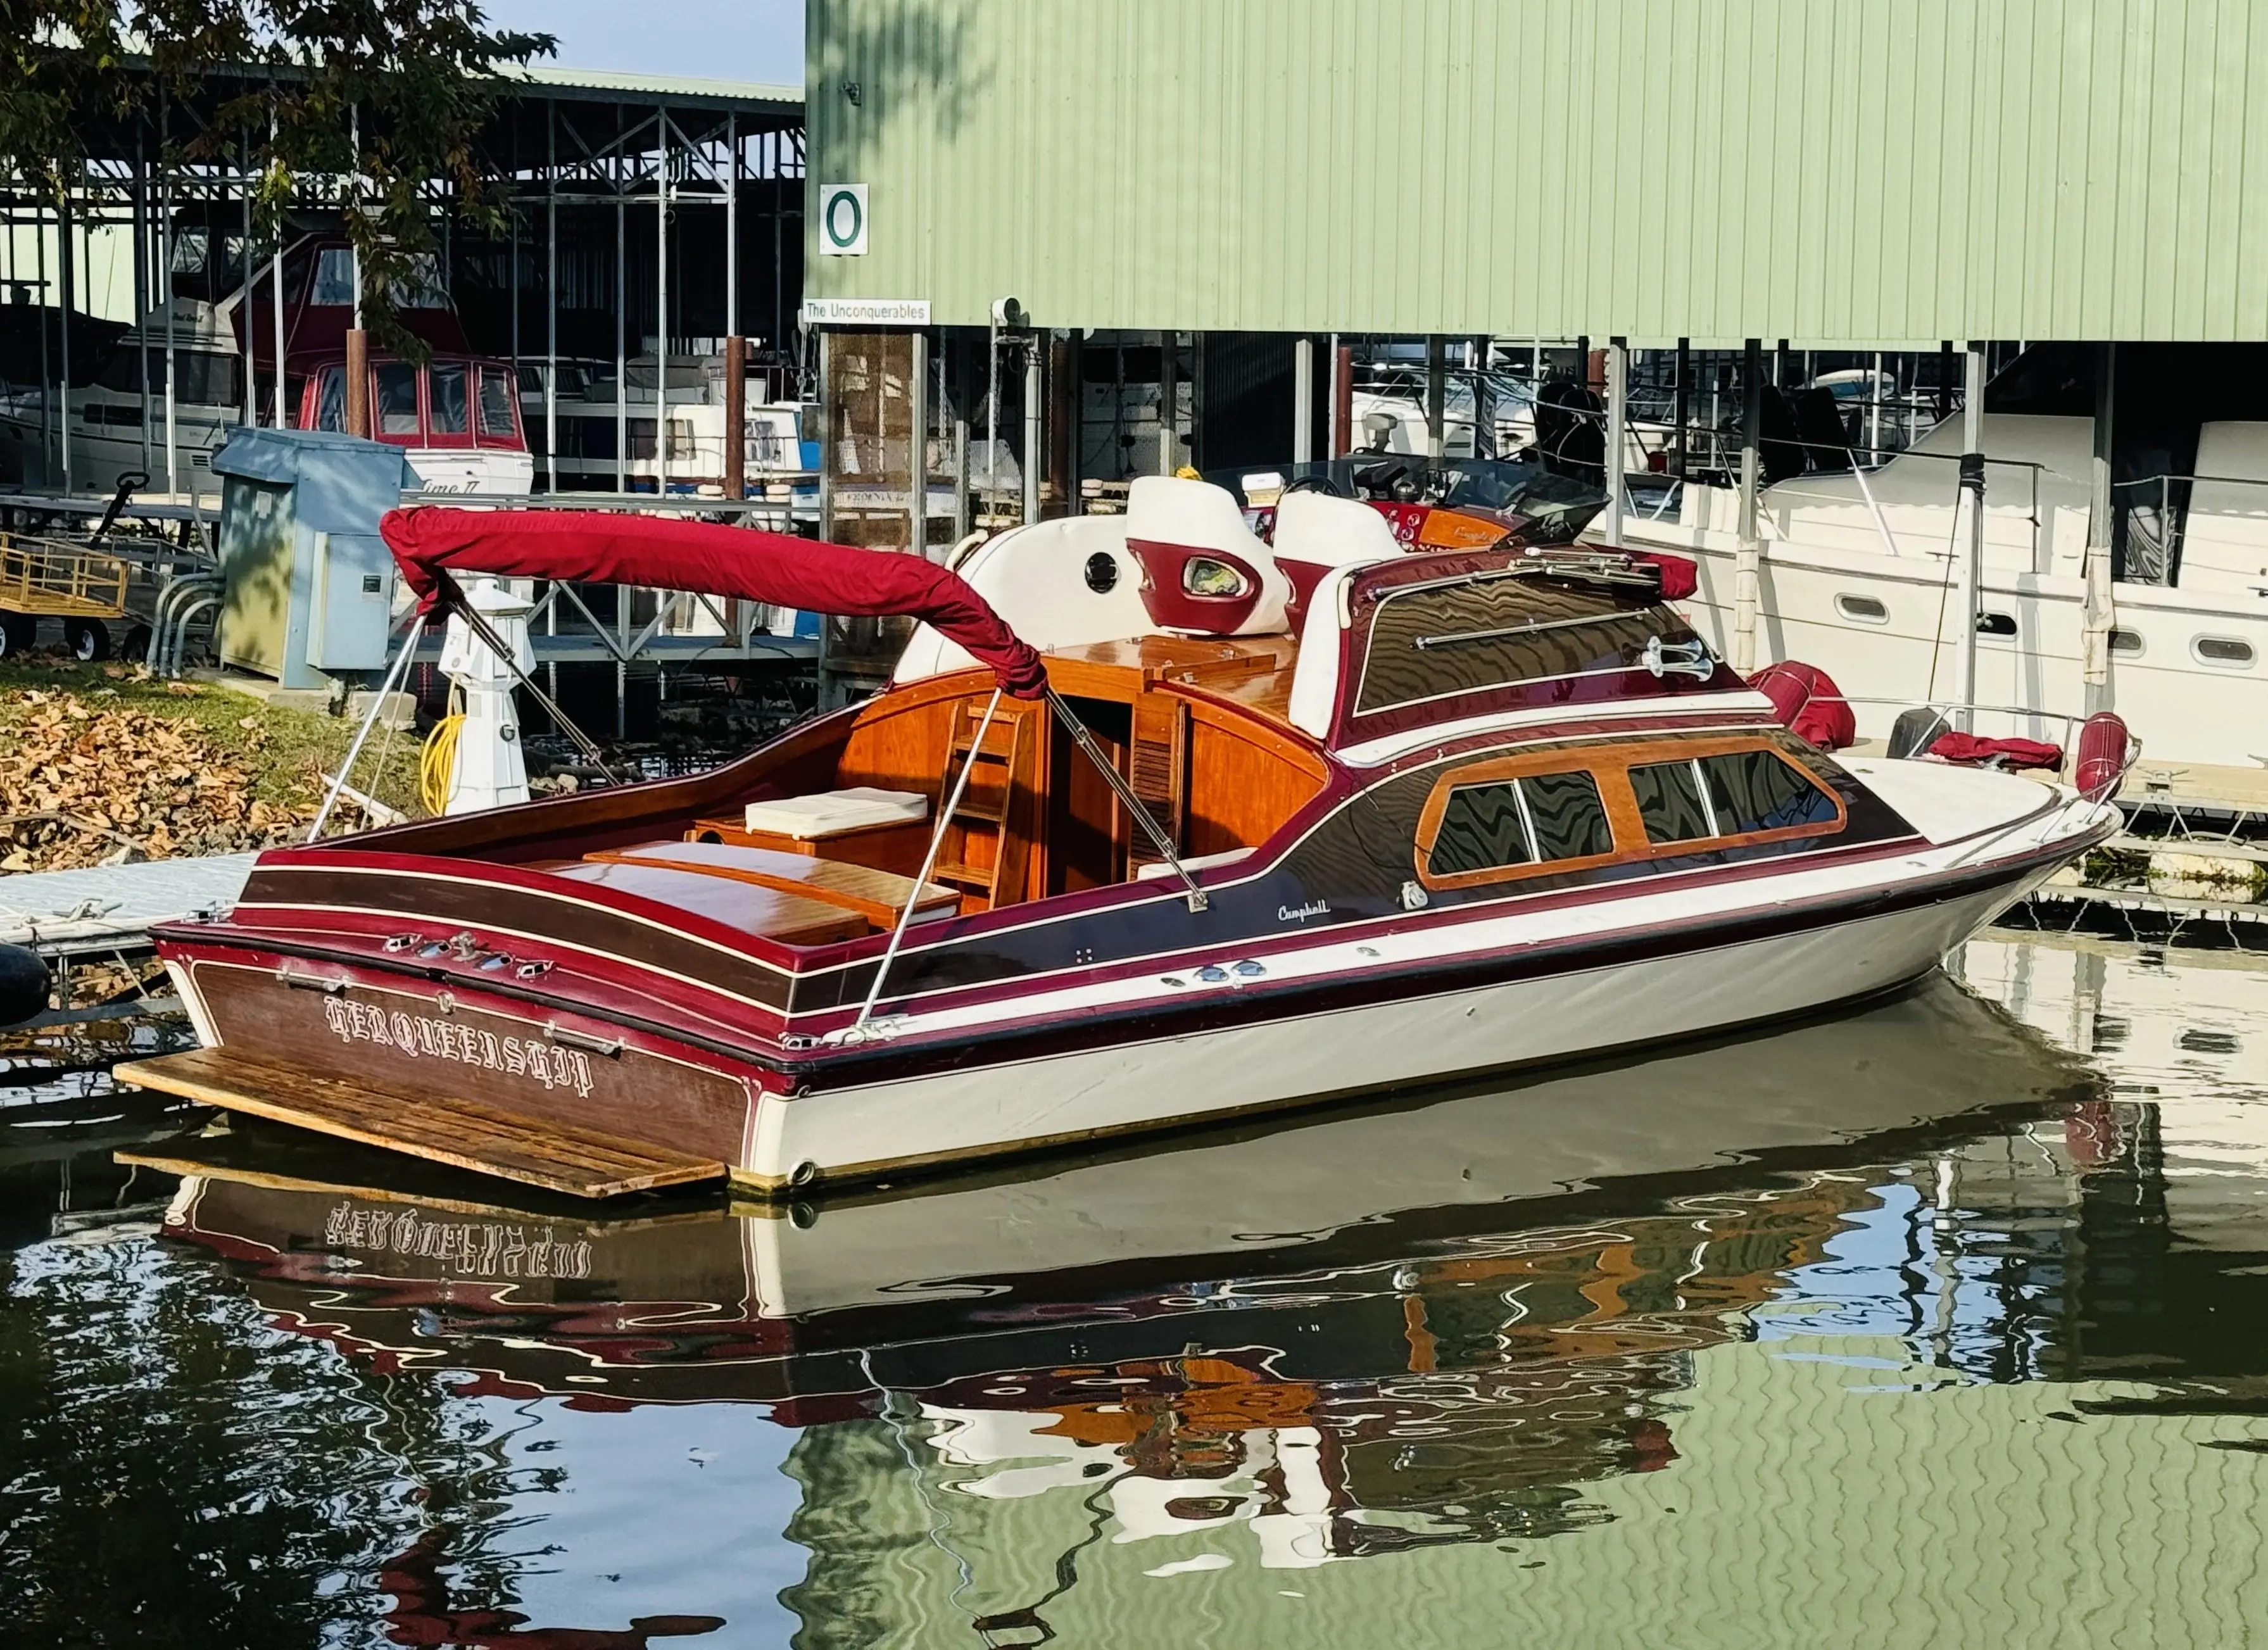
x,y
610,85
1881,172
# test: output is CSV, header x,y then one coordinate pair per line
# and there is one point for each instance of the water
x,y
1939,1323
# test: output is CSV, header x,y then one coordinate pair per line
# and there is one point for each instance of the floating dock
x,y
105,914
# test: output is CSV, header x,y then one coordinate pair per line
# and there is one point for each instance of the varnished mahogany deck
x,y
1254,672
464,1133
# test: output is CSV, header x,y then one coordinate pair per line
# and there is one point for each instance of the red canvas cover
x,y
2105,753
1681,576
1808,703
1971,749
602,548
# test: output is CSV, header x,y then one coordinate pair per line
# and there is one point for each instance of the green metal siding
x,y
1866,170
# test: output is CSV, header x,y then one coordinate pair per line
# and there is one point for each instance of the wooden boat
x,y
1390,799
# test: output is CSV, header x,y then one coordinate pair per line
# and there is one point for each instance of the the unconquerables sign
x,y
423,1037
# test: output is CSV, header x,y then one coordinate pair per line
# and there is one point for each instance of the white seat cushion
x,y
832,813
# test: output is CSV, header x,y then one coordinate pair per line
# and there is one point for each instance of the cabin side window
x,y
1755,791
1509,824
1737,793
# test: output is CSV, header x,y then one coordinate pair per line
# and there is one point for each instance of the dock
x,y
104,914
110,909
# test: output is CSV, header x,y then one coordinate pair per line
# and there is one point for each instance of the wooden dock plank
x,y
463,1133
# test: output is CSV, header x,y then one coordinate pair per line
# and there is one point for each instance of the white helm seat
x,y
1317,532
1204,571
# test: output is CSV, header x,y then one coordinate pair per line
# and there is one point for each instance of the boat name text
x,y
482,1249
422,1037
1300,913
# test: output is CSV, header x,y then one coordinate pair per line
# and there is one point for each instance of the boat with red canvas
x,y
1162,820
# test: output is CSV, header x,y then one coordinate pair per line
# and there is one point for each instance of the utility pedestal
x,y
490,770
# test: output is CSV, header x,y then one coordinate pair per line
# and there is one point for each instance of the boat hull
x,y
1063,1098
776,1125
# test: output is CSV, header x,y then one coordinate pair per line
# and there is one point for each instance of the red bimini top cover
x,y
602,548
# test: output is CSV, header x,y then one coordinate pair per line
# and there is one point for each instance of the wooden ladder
x,y
987,846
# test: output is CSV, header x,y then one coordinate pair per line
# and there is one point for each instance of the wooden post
x,y
357,382
736,418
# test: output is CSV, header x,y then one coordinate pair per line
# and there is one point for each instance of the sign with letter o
x,y
843,220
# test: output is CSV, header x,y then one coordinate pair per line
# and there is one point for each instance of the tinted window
x,y
1755,791
1481,829
495,403
122,370
331,400
397,398
1569,820
1670,802
452,414
335,282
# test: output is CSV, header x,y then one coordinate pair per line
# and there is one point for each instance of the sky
x,y
709,40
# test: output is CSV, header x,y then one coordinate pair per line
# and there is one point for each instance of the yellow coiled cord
x,y
436,766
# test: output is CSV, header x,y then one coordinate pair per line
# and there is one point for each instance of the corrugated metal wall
x,y
1863,171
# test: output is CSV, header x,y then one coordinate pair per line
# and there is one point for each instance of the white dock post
x,y
1035,429
1972,558
1303,400
1618,423
2102,616
1747,558
1436,391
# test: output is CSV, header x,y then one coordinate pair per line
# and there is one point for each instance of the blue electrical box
x,y
307,585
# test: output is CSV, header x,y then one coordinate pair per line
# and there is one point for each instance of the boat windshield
x,y
202,378
335,281
1557,506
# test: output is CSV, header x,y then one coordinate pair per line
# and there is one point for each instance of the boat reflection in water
x,y
1457,1322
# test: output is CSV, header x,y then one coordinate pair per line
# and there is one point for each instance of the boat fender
x,y
24,983
2105,753
1808,704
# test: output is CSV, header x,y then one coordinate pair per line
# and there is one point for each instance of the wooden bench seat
x,y
752,909
897,847
877,895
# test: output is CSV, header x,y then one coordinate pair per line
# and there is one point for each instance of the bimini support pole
x,y
945,813
476,623
399,669
1196,895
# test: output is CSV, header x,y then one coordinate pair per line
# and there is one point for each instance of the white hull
x,y
1278,1062
1918,1057
1859,582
